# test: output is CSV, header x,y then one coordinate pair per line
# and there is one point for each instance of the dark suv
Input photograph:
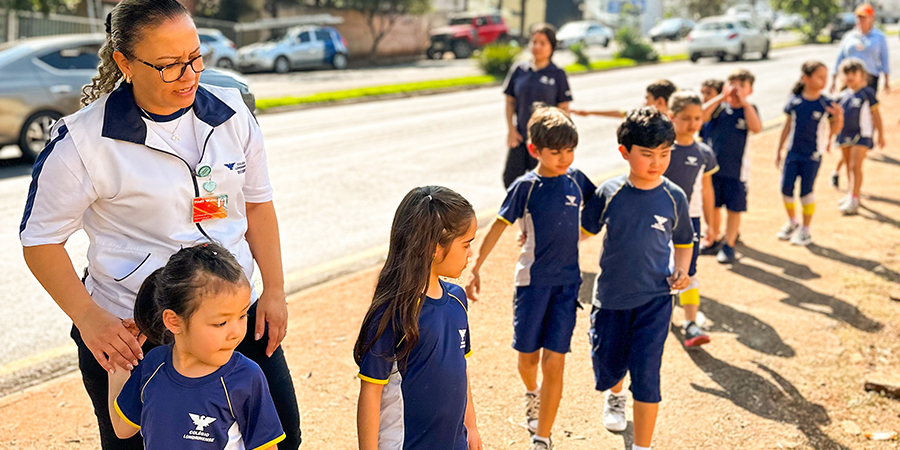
x,y
465,33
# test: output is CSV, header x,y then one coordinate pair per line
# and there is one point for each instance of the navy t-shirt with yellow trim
x,y
229,408
424,404
642,229
529,85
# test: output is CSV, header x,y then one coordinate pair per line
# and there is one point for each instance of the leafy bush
x,y
580,51
633,46
496,59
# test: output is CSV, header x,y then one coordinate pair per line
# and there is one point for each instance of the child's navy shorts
x,y
695,221
850,140
801,167
631,340
544,317
730,193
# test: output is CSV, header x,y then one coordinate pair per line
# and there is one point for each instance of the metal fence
x,y
26,24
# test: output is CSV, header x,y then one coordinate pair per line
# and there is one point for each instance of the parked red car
x,y
465,33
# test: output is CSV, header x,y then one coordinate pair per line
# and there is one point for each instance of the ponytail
x,y
428,217
799,87
125,27
191,272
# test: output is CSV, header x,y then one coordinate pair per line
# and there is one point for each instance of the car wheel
x,y
282,65
740,54
339,61
461,49
765,53
225,63
606,43
695,57
36,133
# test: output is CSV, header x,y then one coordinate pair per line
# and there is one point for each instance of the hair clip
x,y
429,197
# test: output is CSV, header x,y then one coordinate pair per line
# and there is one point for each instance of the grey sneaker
x,y
532,409
835,180
802,237
537,444
787,231
849,208
614,412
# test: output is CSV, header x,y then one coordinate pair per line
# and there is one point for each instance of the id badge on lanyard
x,y
210,206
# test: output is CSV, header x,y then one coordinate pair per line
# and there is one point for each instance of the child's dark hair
x,y
550,127
547,30
190,273
741,75
646,127
851,65
428,217
662,89
682,99
714,84
807,69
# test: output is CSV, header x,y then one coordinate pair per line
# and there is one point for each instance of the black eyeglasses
x,y
173,72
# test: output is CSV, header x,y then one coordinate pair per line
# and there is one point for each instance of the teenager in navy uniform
x,y
646,255
862,119
547,204
154,163
812,120
691,168
731,119
536,80
414,341
194,391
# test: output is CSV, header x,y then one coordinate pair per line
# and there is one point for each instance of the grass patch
x,y
375,91
601,65
821,39
672,58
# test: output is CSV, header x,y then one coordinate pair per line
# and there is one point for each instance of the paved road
x,y
339,172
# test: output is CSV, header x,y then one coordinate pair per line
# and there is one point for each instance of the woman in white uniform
x,y
154,163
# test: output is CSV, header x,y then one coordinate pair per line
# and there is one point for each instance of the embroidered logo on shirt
x,y
571,200
817,115
240,167
462,338
796,101
691,161
548,81
200,424
856,102
660,223
741,124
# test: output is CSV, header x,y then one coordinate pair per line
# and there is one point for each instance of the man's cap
x,y
865,10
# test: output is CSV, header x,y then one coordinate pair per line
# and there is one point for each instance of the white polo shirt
x,y
107,172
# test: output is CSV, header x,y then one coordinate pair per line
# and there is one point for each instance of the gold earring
x,y
127,79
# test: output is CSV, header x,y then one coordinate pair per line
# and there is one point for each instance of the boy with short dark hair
x,y
731,119
709,90
548,201
648,225
657,96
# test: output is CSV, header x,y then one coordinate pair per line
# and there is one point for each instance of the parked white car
x,y
725,37
299,47
221,50
584,31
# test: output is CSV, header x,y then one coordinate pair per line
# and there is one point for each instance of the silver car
x,y
41,80
300,47
221,50
584,32
725,37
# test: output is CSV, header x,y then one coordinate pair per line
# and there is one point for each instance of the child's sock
x,y
537,391
806,228
618,394
638,447
545,440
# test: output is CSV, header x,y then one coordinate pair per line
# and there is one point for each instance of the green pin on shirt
x,y
204,171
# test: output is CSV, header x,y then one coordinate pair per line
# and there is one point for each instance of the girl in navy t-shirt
x,y
194,391
812,120
414,340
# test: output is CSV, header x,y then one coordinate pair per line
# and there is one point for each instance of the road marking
x,y
38,358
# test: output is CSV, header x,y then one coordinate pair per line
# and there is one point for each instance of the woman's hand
x,y
272,309
109,340
514,139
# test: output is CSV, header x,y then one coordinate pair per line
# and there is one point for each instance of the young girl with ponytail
x,y
414,340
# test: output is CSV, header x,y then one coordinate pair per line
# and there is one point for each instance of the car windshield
x,y
716,26
12,51
669,24
461,21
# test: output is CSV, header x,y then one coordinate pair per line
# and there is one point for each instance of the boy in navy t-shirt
x,y
648,227
547,204
731,119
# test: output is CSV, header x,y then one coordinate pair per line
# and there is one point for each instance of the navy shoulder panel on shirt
x,y
62,132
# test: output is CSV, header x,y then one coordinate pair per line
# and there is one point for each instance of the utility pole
x,y
522,20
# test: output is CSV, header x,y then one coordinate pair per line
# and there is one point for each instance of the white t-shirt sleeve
x,y
61,191
257,187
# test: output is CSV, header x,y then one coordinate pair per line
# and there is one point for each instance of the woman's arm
x,y
368,414
103,333
265,245
564,106
513,137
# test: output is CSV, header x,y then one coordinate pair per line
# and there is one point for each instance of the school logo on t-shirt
x,y
547,80
660,223
462,338
691,161
741,124
856,102
241,167
817,115
571,200
200,424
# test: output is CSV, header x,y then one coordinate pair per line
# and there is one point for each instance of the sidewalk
x,y
796,331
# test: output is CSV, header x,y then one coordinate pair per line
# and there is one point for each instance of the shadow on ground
x,y
750,331
866,264
792,269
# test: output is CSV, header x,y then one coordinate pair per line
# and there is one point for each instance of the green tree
x,y
704,8
44,6
382,15
818,14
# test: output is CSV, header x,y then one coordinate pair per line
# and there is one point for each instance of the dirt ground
x,y
795,333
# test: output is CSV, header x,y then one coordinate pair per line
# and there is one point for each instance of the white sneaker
x,y
537,444
787,231
850,208
802,237
614,412
532,409
844,200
